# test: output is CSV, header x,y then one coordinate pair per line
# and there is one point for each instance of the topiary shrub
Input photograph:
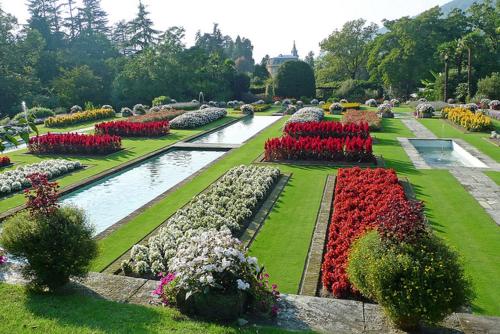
x,y
107,106
314,102
139,109
371,103
75,109
57,242
413,282
126,112
336,108
424,110
385,110
247,109
295,79
344,101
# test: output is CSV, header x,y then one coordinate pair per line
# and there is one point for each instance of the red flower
x,y
133,129
74,143
4,161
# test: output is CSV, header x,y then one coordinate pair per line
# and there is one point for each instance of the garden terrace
x,y
133,129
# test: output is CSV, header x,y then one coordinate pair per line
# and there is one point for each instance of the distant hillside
x,y
460,4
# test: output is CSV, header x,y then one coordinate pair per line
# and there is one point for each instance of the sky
x,y
271,25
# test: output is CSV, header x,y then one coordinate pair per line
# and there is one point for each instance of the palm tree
x,y
468,42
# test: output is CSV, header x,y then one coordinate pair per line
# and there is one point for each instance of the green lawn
x,y
133,148
495,176
22,312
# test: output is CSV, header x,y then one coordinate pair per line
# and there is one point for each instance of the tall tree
x,y
142,33
71,21
92,18
120,37
347,46
310,59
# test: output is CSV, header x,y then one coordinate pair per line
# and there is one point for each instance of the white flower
x,y
309,114
242,285
197,118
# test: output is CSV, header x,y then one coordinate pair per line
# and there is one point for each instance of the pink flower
x,y
3,259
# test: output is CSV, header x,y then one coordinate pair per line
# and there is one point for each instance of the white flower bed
x,y
228,203
16,179
212,259
424,110
194,119
309,114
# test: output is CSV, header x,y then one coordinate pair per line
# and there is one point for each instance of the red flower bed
x,y
74,143
4,161
133,129
327,129
315,148
364,116
366,199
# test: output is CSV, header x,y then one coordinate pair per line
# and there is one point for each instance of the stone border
x,y
119,168
413,154
492,141
260,217
311,277
340,164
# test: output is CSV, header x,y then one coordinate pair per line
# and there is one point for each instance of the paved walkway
x,y
478,184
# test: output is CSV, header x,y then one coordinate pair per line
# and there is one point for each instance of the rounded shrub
x,y
247,109
295,79
126,112
495,105
385,110
413,282
395,102
107,106
75,109
37,112
371,103
56,245
139,109
336,108
344,101
424,110
291,109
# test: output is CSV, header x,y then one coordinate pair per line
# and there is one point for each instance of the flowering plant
x,y
3,258
4,161
133,129
162,115
229,203
194,119
17,179
363,116
365,199
74,143
247,109
371,103
336,108
42,198
309,114
469,120
395,102
79,117
424,110
327,129
126,112
495,105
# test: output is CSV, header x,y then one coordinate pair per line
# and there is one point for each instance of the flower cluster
x,y
467,119
79,117
335,108
4,161
395,102
133,129
363,116
365,199
247,109
230,202
17,179
290,109
309,114
163,115
3,257
493,114
385,110
127,112
327,129
424,110
354,149
371,103
194,119
75,109
139,109
495,105
74,143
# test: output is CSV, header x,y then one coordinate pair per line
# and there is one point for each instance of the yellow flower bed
x,y
79,117
467,119
346,106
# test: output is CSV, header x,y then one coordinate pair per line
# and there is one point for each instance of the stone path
x,y
478,184
418,129
482,188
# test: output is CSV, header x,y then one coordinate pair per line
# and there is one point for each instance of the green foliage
x,y
241,84
56,246
89,106
355,90
490,86
295,79
78,85
160,100
37,112
462,92
414,283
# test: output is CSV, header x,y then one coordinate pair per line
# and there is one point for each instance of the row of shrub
x,y
4,161
194,119
467,119
327,129
79,117
363,116
380,247
133,129
351,149
74,143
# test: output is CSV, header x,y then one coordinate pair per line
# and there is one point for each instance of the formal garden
x,y
249,202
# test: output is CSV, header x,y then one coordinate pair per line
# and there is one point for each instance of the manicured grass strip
x,y
134,148
26,313
495,176
444,130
